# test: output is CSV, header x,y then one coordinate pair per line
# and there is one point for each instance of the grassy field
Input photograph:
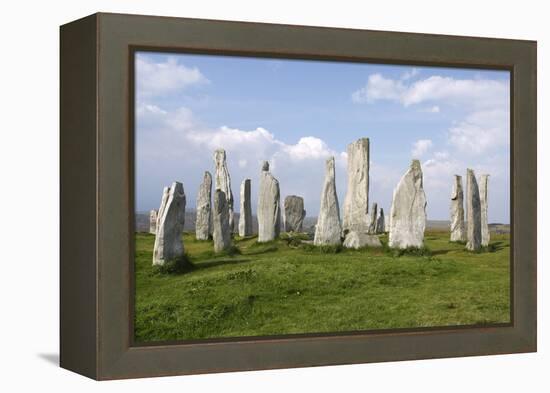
x,y
274,288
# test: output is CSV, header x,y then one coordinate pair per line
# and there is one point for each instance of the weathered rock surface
x,y
483,198
223,181
408,210
153,214
373,215
294,213
245,214
356,202
204,208
170,221
269,206
220,221
458,231
358,240
473,209
328,229
380,223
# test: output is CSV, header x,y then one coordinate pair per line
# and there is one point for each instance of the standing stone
x,y
373,214
171,217
204,208
294,213
473,209
153,221
483,194
220,222
408,210
245,216
223,181
328,229
356,203
358,240
458,232
269,206
379,228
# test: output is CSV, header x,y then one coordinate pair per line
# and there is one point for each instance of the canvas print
x,y
280,196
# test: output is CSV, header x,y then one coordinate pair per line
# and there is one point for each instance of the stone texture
x,y
204,208
483,194
269,206
328,229
223,181
458,231
380,223
373,215
408,210
294,213
356,202
245,216
473,210
170,220
153,214
220,222
359,240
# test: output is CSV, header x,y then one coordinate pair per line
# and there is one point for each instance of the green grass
x,y
282,287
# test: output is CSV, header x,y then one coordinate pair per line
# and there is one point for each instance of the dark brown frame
x,y
97,195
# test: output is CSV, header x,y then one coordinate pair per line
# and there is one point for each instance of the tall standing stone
x,y
473,210
379,228
328,229
171,218
408,210
204,208
245,215
153,214
483,197
269,206
356,202
220,221
223,181
294,213
458,231
373,215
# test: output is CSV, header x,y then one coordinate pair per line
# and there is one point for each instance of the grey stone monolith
x,y
203,219
153,214
269,206
223,181
408,210
245,215
359,240
328,229
458,231
473,211
221,233
356,202
294,213
380,223
170,220
373,215
483,198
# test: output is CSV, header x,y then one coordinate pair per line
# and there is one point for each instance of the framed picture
x,y
242,196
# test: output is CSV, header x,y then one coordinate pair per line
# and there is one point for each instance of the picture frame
x,y
97,211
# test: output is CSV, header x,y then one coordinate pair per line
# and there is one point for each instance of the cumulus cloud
x,y
420,147
481,132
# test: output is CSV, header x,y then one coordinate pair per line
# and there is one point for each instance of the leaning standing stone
x,y
328,229
220,219
373,214
153,221
245,216
380,222
269,206
204,208
473,208
294,213
408,210
458,232
223,181
171,217
483,198
356,203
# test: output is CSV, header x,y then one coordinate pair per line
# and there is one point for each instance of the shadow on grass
x,y
264,251
219,262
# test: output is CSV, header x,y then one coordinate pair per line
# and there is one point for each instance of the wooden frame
x,y
97,201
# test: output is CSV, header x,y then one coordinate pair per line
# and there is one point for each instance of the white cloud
x,y
154,78
481,132
410,74
379,88
420,147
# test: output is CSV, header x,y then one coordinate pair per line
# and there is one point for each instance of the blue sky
x,y
296,113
